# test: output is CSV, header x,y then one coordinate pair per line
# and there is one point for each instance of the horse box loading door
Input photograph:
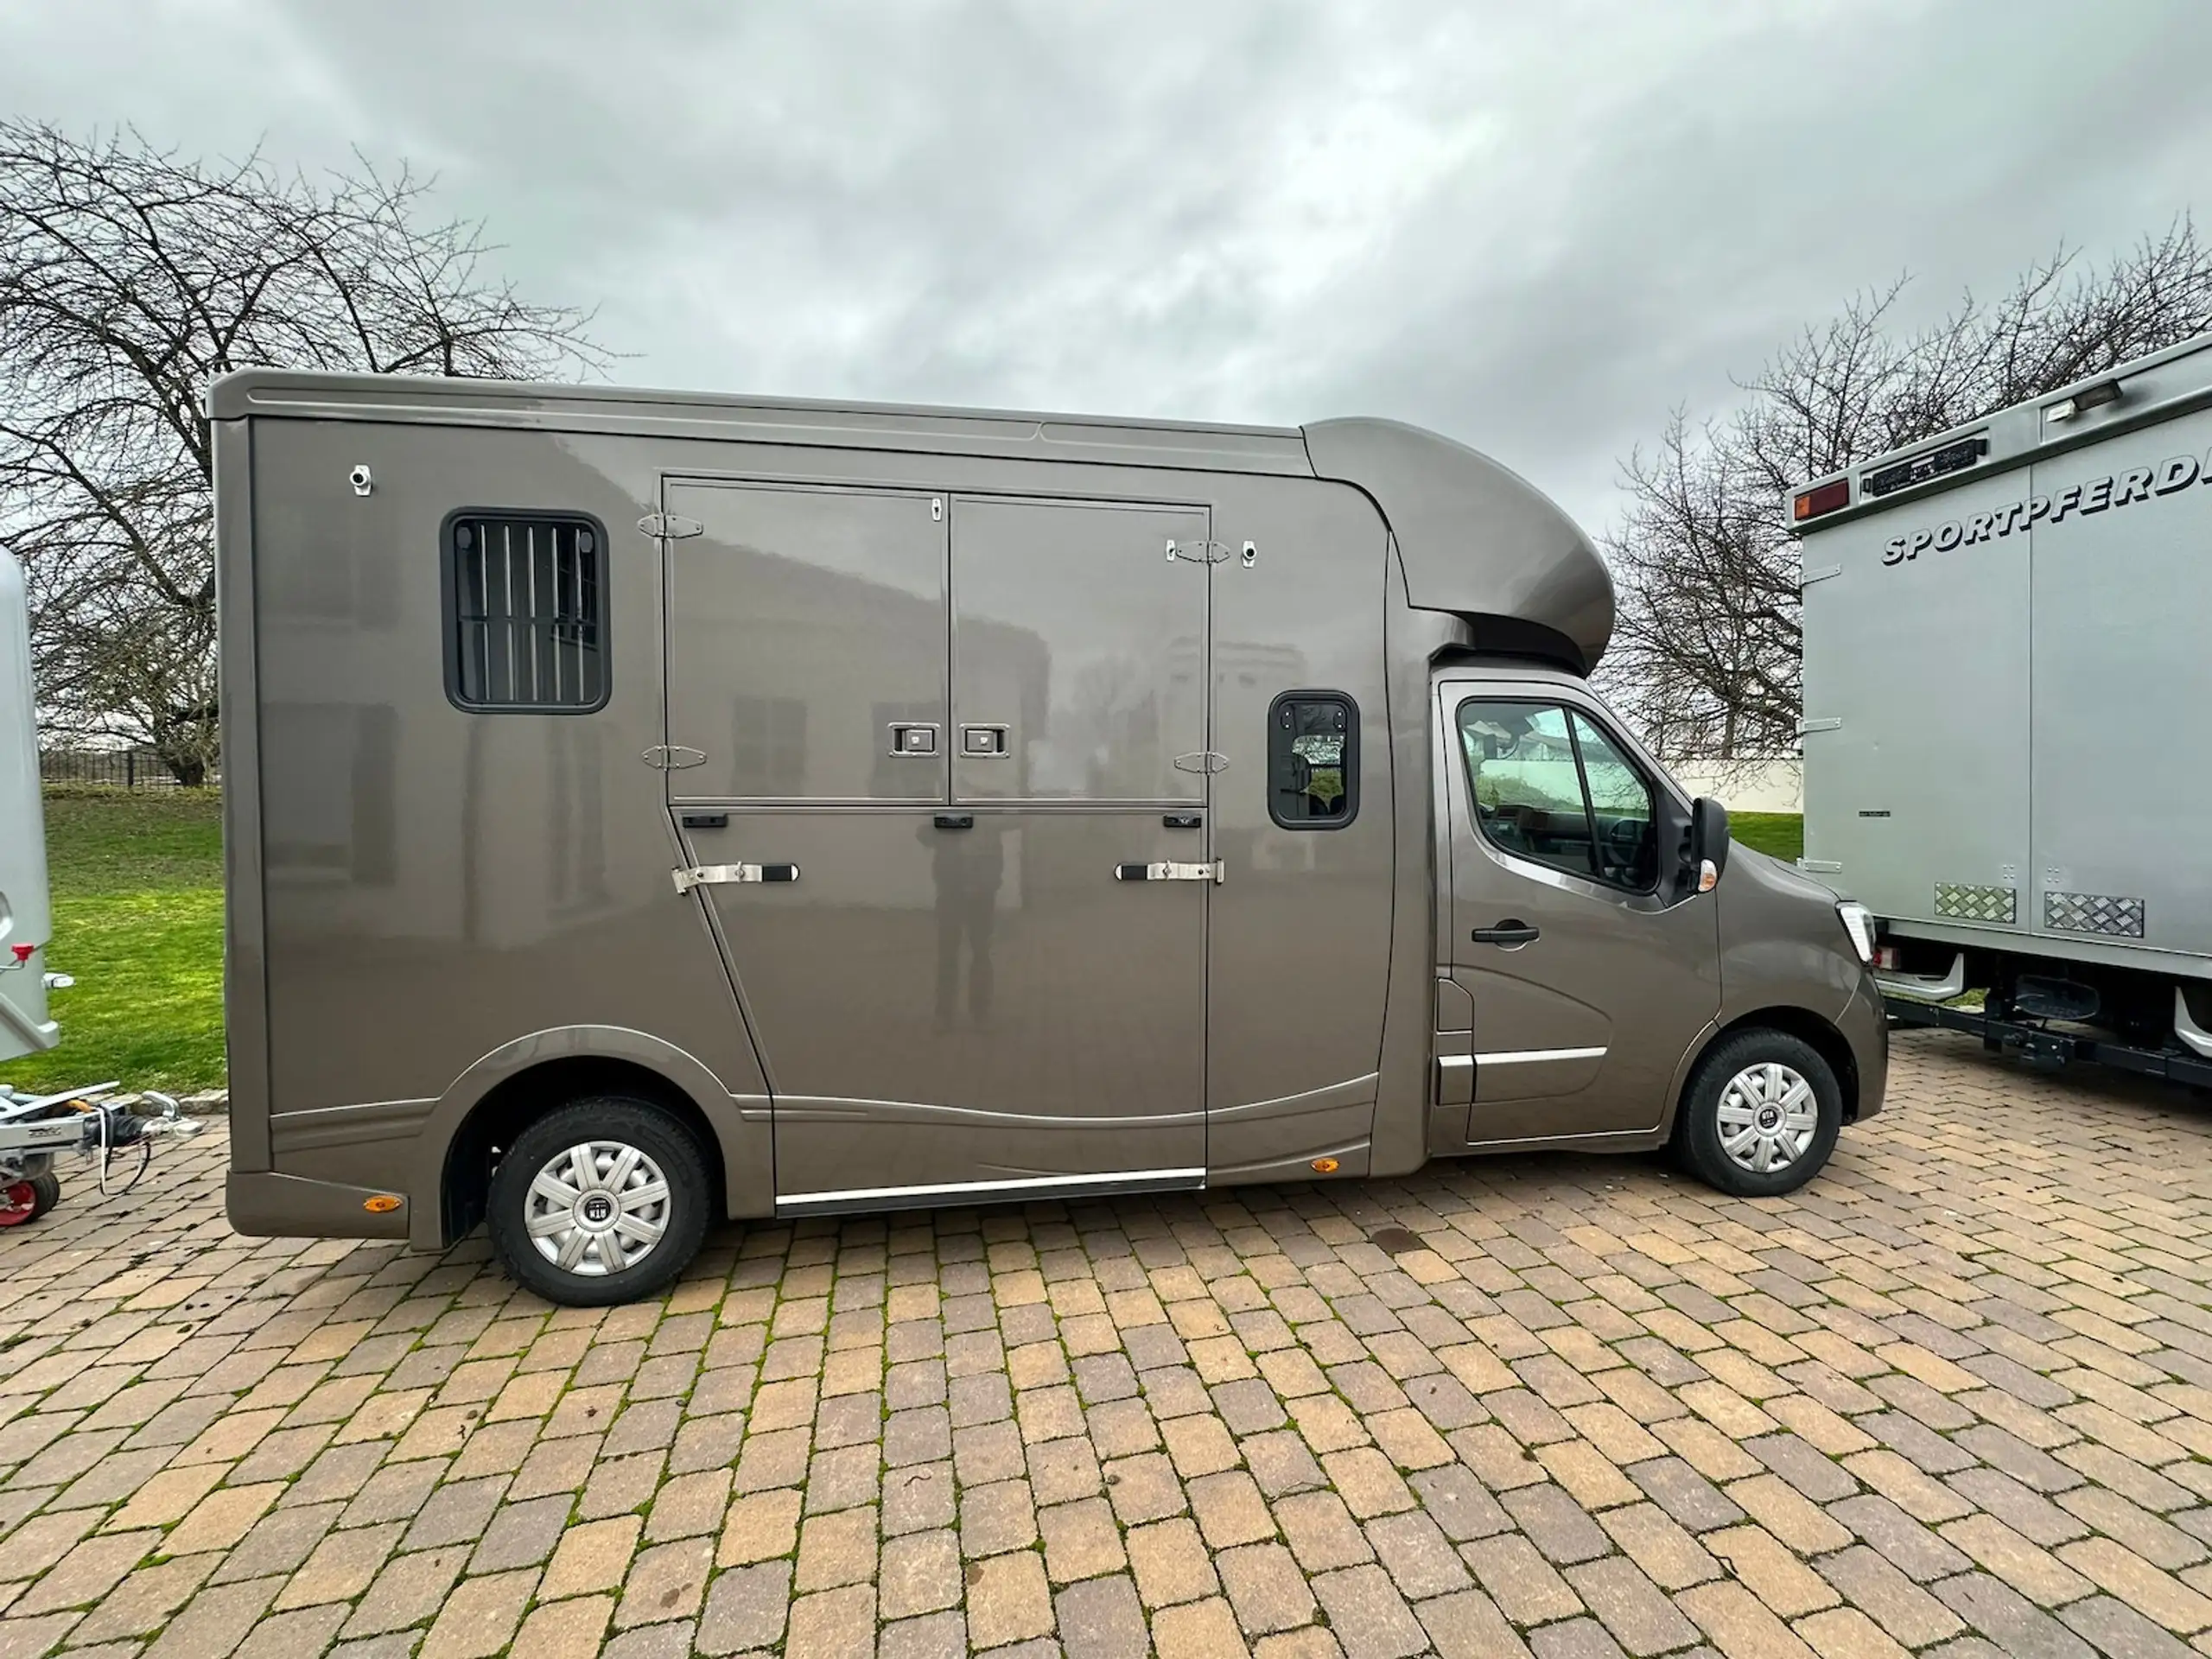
x,y
923,772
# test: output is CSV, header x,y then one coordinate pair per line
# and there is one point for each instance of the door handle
x,y
954,821
1507,933
709,875
1170,872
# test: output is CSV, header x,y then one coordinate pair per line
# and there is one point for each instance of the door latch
x,y
1197,552
709,875
1213,872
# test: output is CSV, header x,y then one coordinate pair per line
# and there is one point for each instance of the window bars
x,y
529,613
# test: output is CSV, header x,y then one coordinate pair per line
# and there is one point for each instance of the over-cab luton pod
x,y
646,808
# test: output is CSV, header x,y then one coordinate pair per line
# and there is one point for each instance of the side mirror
x,y
1708,847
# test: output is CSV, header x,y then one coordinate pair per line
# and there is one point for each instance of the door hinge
x,y
709,875
1197,552
1213,872
1202,760
670,526
672,757
1829,723
937,510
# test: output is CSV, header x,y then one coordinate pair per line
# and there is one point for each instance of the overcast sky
x,y
1534,226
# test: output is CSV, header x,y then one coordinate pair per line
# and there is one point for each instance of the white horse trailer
x,y
34,1128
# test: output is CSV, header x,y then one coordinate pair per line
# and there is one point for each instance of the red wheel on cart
x,y
19,1202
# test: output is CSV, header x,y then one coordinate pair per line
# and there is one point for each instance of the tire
x,y
47,1187
1746,1092
597,1260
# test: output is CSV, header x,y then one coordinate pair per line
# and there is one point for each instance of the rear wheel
x,y
601,1201
1761,1114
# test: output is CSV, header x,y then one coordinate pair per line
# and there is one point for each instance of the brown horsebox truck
x,y
648,808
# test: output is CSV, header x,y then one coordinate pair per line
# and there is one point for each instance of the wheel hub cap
x,y
598,1208
1768,1117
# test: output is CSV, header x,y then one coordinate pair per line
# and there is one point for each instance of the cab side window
x,y
1313,760
1549,785
1621,809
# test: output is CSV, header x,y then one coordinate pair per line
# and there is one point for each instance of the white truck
x,y
2008,657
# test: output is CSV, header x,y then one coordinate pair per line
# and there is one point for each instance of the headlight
x,y
1859,922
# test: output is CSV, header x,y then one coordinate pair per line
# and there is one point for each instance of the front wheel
x,y
1761,1114
601,1201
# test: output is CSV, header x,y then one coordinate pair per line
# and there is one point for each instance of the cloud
x,y
1537,229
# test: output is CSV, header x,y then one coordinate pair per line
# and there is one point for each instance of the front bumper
x,y
1865,1026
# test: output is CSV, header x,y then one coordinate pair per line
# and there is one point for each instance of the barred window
x,y
528,609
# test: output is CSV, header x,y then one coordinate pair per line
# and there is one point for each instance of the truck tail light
x,y
1886,957
1826,498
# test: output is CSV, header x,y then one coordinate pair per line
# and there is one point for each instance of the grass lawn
x,y
137,880
1782,834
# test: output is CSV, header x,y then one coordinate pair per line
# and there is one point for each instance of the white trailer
x,y
26,918
2008,659
35,1128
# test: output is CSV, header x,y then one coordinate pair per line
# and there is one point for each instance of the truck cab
x,y
1602,944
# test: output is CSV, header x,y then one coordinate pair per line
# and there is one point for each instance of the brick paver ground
x,y
1955,1398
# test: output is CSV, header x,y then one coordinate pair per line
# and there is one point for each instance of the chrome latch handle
x,y
1212,872
709,875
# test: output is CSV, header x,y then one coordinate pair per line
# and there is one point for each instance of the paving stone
x,y
1170,1562
746,1606
1266,1589
481,1616
1081,1540
939,1636
2113,1627
1871,1582
2015,1624
1915,1549
1367,1615
1102,1618
1008,1599
409,1590
667,1581
1634,1611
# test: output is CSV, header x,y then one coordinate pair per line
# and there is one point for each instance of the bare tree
x,y
1707,650
129,280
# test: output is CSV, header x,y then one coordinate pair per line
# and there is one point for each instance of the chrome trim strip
x,y
1454,1061
832,1108
1532,1056
917,1196
1351,1092
1928,987
397,1110
2187,1029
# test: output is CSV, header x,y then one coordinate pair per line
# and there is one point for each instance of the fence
x,y
1746,786
116,768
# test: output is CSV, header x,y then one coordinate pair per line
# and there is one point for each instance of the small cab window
x,y
527,617
1312,760
1551,786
